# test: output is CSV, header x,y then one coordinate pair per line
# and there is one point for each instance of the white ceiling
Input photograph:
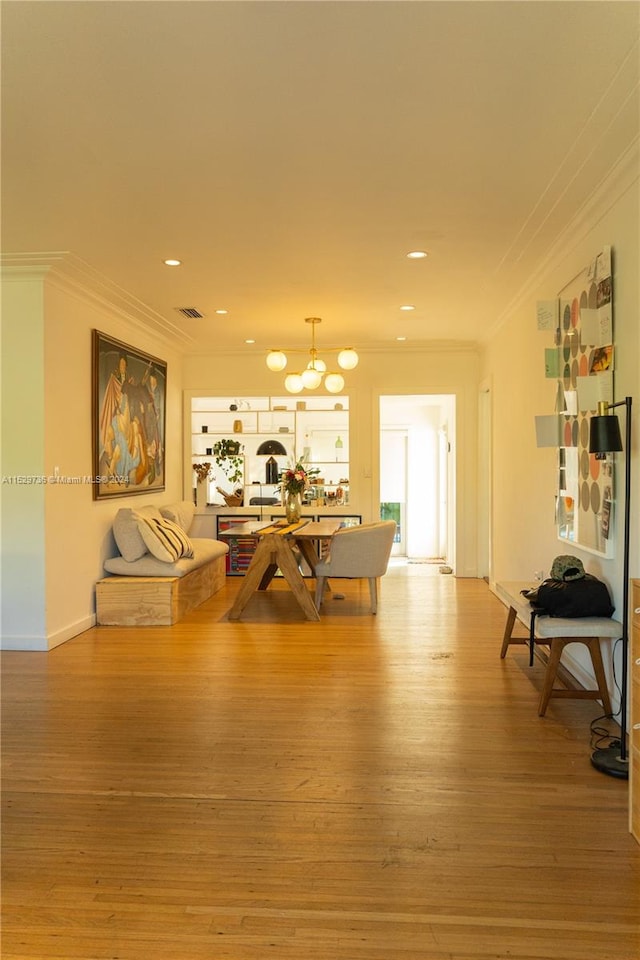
x,y
292,153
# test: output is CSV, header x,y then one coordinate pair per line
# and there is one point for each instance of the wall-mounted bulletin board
x,y
581,360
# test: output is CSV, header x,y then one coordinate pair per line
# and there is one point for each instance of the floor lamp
x,y
604,437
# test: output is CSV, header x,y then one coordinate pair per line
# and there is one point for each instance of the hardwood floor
x,y
362,788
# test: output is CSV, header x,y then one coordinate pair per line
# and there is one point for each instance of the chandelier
x,y
316,370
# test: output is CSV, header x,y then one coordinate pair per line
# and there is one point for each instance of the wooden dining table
x,y
280,545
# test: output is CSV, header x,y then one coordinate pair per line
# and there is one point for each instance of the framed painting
x,y
128,419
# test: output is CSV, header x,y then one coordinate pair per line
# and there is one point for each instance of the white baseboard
x,y
42,643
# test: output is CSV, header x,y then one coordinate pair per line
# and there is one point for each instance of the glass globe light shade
x,y
311,378
334,382
293,383
319,365
348,359
276,360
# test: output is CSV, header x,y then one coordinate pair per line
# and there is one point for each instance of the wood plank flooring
x,y
362,788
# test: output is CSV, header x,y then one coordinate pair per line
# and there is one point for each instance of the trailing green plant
x,y
226,454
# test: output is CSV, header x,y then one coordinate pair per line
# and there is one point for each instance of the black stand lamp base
x,y
608,760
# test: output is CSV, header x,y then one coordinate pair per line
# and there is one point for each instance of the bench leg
x,y
598,669
556,646
508,630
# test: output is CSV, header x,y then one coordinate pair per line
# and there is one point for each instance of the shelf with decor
x,y
270,432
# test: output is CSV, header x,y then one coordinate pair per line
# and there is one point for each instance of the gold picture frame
x,y
128,419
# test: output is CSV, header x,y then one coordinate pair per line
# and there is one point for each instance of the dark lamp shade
x,y
604,435
271,447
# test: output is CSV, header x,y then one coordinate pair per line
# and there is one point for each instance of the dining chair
x,y
357,553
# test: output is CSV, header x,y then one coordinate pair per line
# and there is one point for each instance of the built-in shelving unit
x,y
317,427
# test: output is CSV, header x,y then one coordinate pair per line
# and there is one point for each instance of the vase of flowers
x,y
295,480
292,506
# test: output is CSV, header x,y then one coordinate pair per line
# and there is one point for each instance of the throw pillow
x,y
126,533
181,513
164,539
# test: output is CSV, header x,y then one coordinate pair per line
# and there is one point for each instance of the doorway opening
x,y
417,476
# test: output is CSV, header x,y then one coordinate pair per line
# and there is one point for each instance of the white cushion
x,y
165,539
126,533
204,550
577,627
181,513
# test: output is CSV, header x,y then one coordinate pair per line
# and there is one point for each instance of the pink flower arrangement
x,y
296,479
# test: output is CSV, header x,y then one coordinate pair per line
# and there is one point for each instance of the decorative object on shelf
x,y
271,448
202,471
339,446
205,429
271,470
203,474
605,438
235,499
311,377
237,426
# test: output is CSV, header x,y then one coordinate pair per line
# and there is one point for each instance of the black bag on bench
x,y
586,597
569,592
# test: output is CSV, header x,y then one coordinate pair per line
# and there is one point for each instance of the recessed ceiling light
x,y
222,312
407,306
401,338
249,341
417,255
173,263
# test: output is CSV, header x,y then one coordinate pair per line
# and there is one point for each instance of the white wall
x,y
524,477
55,537
22,504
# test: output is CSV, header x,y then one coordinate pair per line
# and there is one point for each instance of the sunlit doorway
x,y
417,475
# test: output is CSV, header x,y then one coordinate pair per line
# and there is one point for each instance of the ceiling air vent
x,y
190,312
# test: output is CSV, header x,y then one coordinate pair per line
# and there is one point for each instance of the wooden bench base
x,y
556,645
156,601
519,610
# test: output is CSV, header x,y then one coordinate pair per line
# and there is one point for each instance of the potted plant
x,y
230,462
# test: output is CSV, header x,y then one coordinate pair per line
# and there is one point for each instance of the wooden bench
x,y
156,601
556,633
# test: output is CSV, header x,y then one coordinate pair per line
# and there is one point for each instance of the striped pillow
x,y
164,539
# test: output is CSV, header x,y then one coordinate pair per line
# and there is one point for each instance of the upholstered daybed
x,y
161,573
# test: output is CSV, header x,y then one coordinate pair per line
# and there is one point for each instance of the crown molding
x,y
622,176
70,274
